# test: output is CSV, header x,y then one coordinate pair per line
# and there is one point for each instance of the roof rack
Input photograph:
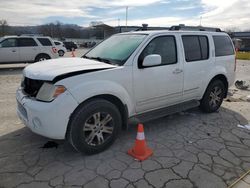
x,y
193,28
31,35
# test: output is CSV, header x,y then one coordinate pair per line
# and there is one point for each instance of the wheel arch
x,y
40,54
123,109
223,78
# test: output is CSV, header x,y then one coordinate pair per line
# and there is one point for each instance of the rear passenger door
x,y
158,86
197,63
28,49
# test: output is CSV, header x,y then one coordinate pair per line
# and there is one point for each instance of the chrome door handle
x,y
177,71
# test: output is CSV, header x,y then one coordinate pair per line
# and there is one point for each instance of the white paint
x,y
140,136
140,90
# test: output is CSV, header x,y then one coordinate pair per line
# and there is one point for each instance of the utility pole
x,y
200,20
118,21
126,16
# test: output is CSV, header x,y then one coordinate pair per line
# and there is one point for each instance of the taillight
x,y
54,49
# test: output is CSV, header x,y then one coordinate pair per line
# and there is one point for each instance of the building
x,y
241,40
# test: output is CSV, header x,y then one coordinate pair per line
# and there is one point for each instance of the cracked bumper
x,y
46,119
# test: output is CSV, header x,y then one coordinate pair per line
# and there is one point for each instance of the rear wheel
x,y
213,96
42,57
94,126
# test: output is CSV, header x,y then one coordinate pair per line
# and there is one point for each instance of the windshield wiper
x,y
98,59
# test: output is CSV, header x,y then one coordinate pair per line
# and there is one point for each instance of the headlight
x,y
48,92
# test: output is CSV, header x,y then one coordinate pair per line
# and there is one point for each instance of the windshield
x,y
116,49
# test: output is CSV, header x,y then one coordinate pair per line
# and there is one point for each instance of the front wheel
x,y
94,126
61,53
213,96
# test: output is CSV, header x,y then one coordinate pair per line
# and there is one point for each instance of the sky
x,y
225,14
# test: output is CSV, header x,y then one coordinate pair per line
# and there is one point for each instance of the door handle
x,y
13,50
177,71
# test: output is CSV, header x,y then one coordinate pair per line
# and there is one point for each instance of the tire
x,y
94,126
213,96
61,53
42,57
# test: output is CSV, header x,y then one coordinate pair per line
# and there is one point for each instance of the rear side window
x,y
223,46
22,42
164,46
196,47
44,41
57,43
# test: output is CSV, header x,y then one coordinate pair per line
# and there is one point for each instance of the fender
x,y
83,86
218,70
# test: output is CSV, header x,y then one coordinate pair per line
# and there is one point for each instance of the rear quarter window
x,y
223,46
44,41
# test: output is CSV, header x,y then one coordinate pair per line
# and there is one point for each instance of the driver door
x,y
158,86
9,52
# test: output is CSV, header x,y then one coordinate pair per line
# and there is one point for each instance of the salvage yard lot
x,y
191,149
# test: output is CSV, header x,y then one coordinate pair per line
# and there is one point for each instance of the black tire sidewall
x,y
62,53
79,117
205,106
41,56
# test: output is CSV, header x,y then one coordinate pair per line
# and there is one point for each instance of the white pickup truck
x,y
144,74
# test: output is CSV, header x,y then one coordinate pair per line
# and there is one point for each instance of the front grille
x,y
31,86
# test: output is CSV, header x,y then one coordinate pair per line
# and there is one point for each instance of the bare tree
x,y
4,26
95,23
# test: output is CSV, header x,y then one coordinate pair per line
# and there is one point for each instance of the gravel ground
x,y
191,149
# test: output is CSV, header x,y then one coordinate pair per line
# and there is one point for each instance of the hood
x,y
56,69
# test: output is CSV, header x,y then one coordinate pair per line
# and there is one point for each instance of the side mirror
x,y
151,60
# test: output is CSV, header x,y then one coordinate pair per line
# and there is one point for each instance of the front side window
x,y
8,43
44,41
196,47
116,49
165,46
223,46
26,42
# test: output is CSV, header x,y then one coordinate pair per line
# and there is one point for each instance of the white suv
x,y
26,49
144,74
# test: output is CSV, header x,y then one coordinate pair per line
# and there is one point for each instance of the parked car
x,y
145,74
90,44
26,49
60,48
70,45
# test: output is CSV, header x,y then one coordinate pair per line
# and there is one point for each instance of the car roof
x,y
156,32
24,36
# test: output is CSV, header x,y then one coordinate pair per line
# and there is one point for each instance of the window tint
x,y
11,42
204,47
196,48
57,43
26,42
164,46
44,41
191,48
223,46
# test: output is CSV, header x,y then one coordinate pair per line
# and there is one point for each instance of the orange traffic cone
x,y
73,52
140,150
